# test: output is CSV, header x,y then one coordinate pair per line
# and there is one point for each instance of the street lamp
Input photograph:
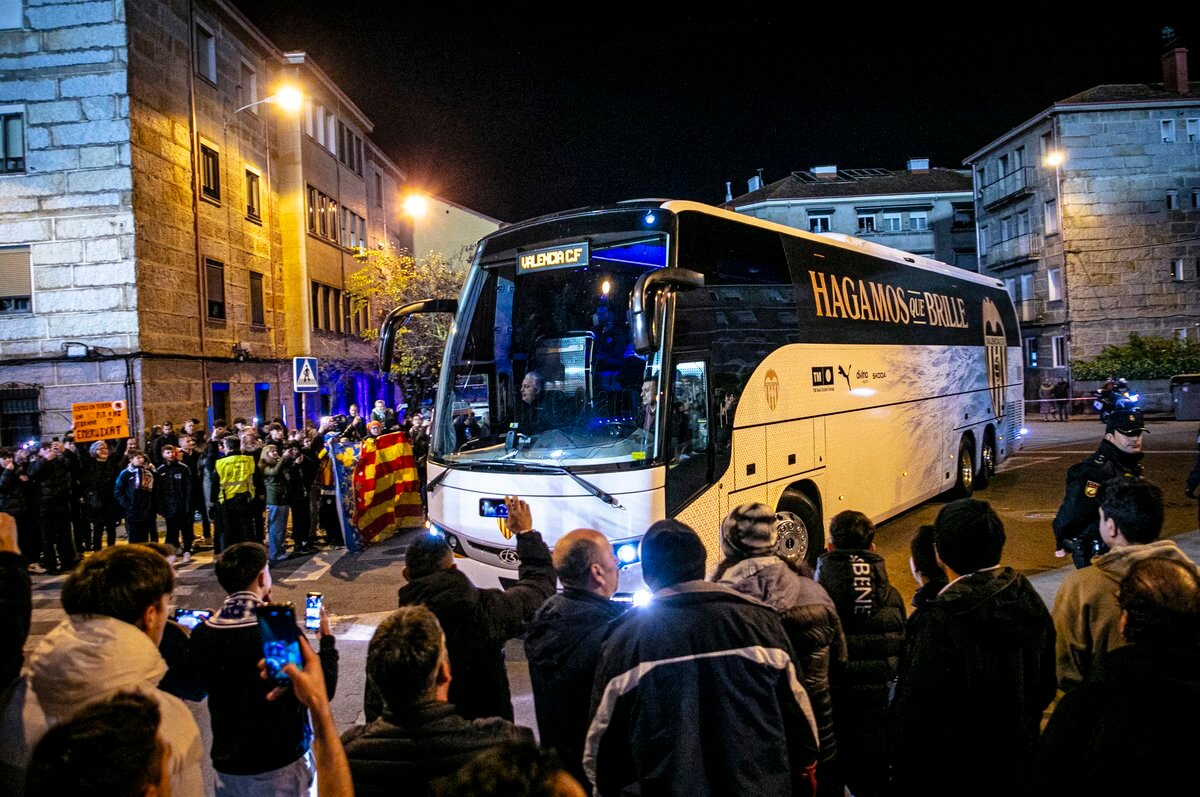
x,y
289,98
415,205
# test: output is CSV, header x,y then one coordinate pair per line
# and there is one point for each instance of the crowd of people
x,y
243,481
756,676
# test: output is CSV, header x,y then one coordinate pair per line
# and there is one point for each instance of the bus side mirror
x,y
397,318
646,298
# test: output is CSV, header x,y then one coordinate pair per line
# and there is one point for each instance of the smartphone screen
x,y
280,638
190,618
492,507
312,611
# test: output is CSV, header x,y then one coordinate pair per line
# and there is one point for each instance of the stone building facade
x,y
924,211
169,237
1090,213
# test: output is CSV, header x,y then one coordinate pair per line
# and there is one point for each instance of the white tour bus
x,y
671,359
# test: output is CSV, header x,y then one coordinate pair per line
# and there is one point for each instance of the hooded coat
x,y
87,659
562,646
1086,611
812,625
978,675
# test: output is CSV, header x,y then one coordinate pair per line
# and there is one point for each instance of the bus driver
x,y
530,412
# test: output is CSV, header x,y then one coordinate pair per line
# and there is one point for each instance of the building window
x,y
354,230
1058,345
866,222
253,210
1181,333
12,141
1193,129
819,222
1018,159
1195,198
1031,359
1050,217
379,190
1172,200
1054,290
322,215
319,125
248,87
315,293
983,239
1177,269
1047,144
1167,127
1001,166
206,52
258,314
16,284
918,221
215,271
891,222
308,117
347,323
210,172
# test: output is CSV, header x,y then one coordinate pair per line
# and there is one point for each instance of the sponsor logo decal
x,y
771,384
996,353
504,529
509,557
845,374
822,378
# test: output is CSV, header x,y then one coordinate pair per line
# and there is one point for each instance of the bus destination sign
x,y
564,256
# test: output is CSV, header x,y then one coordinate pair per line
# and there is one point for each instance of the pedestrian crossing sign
x,y
304,374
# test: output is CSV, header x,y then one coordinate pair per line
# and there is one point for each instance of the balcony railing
x,y
905,229
1014,250
1011,186
1030,310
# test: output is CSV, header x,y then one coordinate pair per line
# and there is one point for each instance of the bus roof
x,y
838,239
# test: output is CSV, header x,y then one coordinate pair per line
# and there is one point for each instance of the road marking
x,y
362,630
322,567
1038,461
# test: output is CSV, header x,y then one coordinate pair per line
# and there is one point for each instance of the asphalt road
x,y
360,588
1028,489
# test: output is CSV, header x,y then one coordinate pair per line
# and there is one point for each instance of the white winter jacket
x,y
84,660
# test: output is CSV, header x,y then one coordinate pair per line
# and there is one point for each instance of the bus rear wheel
x,y
798,521
987,461
964,483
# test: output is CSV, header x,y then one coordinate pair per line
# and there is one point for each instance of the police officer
x,y
1076,527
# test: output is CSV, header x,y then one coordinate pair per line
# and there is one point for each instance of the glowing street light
x,y
416,205
289,98
1055,158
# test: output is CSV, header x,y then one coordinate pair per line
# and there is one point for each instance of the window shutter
x,y
14,271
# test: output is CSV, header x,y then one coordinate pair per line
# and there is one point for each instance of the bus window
x,y
687,434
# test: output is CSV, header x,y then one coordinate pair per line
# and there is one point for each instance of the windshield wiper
x,y
611,500
521,467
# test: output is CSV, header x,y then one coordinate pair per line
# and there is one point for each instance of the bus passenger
x,y
529,413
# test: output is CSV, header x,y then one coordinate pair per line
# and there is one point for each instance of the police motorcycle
x,y
1115,396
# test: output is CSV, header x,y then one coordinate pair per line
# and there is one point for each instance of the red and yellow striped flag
x,y
387,495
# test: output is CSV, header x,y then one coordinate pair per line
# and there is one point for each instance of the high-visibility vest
x,y
237,476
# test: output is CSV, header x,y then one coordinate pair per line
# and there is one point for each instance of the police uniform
x,y
1077,525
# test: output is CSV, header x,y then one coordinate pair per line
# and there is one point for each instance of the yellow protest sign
x,y
100,420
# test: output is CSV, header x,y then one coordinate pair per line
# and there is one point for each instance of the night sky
x,y
521,113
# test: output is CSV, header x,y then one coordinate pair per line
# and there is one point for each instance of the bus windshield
x,y
540,365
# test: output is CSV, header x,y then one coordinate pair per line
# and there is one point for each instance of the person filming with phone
x,y
259,746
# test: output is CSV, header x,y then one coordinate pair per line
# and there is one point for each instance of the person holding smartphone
x,y
258,745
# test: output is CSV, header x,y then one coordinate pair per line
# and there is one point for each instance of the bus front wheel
x,y
801,535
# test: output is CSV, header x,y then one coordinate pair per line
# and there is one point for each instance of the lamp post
x,y
289,98
1056,158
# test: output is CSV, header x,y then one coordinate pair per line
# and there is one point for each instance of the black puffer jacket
x,y
13,491
173,489
812,625
53,479
478,622
979,673
405,752
99,479
872,615
562,646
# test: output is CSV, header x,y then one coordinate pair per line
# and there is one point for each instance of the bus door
x,y
687,443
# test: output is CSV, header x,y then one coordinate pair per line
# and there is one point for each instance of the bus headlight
x,y
627,553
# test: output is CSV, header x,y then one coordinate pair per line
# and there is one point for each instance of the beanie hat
x,y
749,530
671,553
968,535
